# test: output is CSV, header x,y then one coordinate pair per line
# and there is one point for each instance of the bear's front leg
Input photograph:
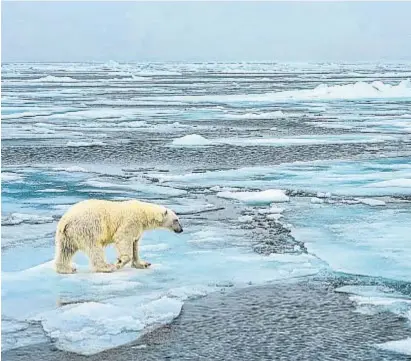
x,y
137,262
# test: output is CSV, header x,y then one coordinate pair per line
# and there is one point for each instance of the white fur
x,y
91,225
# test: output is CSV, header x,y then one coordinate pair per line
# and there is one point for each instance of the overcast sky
x,y
197,31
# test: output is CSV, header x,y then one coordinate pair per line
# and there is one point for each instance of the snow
x,y
191,140
260,197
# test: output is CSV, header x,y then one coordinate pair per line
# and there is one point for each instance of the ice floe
x,y
261,197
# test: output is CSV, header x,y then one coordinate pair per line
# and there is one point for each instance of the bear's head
x,y
171,221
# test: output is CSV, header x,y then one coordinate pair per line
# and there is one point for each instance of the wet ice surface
x,y
275,176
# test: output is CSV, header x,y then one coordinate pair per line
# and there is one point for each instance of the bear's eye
x,y
165,213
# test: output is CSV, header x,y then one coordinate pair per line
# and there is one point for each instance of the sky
x,y
205,31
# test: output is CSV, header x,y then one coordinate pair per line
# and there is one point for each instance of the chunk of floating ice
x,y
371,202
317,200
16,334
90,327
250,116
10,177
400,346
51,190
135,186
323,195
245,219
270,210
72,169
192,140
84,144
370,291
378,300
397,183
260,197
222,189
274,216
55,79
184,293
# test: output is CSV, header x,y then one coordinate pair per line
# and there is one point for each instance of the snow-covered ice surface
x,y
278,171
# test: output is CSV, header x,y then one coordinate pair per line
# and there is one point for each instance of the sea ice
x,y
18,218
372,202
400,346
10,177
55,79
260,197
84,143
192,140
91,327
245,219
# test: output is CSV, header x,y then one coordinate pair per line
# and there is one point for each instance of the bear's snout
x,y
177,228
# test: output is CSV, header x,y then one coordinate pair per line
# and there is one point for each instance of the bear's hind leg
x,y
124,248
98,260
64,253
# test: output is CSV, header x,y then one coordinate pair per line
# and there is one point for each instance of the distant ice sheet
x,y
355,91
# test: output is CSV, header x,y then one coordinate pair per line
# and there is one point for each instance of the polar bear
x,y
91,225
